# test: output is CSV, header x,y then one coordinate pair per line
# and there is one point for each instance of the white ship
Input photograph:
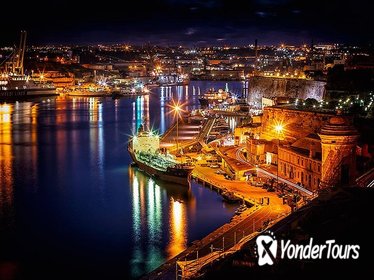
x,y
14,84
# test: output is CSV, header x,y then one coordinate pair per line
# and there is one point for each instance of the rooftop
x,y
304,146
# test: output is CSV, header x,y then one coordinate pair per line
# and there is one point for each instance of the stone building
x,y
301,161
339,142
260,151
298,123
316,149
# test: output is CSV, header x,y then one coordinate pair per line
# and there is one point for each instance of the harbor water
x,y
71,206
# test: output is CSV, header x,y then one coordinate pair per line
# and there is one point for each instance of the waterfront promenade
x,y
224,239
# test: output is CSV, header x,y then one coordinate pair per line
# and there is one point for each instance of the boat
x,y
230,197
14,84
87,93
88,90
144,149
125,92
164,80
241,209
214,97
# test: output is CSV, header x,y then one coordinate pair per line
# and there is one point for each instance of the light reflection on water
x,y
177,228
151,231
6,160
64,170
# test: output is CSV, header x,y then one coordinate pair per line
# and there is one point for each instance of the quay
x,y
226,238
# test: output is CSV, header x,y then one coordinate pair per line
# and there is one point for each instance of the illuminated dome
x,y
337,120
338,125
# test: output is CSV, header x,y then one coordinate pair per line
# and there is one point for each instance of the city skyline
x,y
191,23
176,139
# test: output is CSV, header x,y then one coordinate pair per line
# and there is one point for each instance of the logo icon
x,y
266,248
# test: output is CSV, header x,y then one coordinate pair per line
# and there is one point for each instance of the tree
x,y
309,102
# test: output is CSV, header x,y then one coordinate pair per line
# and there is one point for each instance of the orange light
x,y
176,108
178,229
279,128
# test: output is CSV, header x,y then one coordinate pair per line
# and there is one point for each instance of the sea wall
x,y
270,87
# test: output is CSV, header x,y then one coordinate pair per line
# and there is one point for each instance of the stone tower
x,y
338,141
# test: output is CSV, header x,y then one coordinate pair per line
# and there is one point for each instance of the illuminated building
x,y
317,150
301,161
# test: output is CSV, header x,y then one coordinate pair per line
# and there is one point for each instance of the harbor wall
x,y
270,87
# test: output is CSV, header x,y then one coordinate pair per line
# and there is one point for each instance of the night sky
x,y
188,22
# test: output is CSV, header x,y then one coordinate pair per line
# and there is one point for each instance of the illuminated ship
x,y
14,84
88,90
214,97
129,91
165,80
145,152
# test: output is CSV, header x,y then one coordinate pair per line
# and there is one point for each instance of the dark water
x,y
70,205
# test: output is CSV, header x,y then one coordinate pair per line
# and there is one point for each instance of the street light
x,y
177,112
278,129
176,109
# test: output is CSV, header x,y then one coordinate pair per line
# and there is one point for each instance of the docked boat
x,y
230,197
88,90
241,209
14,84
144,149
125,92
164,80
214,97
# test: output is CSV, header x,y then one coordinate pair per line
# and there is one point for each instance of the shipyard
x,y
186,140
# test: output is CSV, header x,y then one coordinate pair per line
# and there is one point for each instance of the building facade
x,y
301,162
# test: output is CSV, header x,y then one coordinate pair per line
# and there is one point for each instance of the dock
x,y
228,238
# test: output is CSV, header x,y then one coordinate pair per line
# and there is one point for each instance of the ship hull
x,y
13,94
89,94
116,95
181,177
